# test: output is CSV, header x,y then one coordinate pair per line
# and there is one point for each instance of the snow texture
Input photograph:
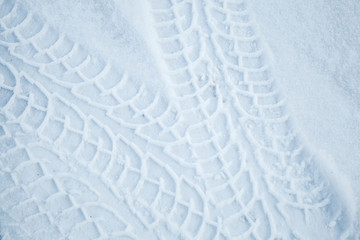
x,y
162,123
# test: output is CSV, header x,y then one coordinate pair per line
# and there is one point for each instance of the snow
x,y
316,52
167,119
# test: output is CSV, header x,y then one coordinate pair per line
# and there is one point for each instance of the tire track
x,y
290,169
289,191
87,121
91,152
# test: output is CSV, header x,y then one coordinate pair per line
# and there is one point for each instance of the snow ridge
x,y
89,151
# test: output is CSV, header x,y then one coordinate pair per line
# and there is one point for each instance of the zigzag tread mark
x,y
65,124
239,49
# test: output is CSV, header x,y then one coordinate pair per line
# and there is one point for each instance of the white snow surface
x,y
176,119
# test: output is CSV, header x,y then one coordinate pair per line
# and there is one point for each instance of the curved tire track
x,y
288,194
91,152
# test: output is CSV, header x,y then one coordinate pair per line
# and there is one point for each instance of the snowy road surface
x,y
191,140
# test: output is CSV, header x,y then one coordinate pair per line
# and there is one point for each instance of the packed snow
x,y
179,119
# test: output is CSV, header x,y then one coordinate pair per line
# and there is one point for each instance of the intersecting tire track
x,y
221,46
64,113
90,152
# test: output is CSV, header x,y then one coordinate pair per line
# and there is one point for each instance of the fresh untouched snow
x,y
169,119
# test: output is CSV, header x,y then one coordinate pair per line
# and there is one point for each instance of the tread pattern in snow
x,y
88,151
